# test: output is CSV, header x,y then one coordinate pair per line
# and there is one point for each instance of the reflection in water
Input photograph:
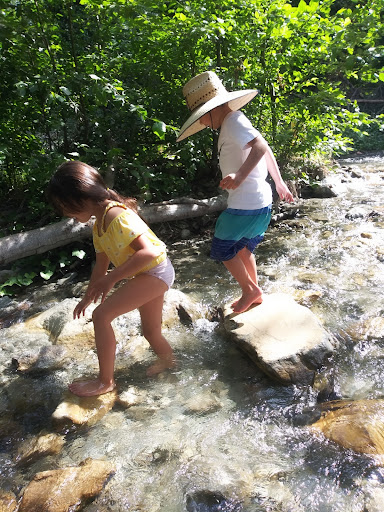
x,y
245,445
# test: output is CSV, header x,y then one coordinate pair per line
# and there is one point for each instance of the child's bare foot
x,y
161,365
90,387
246,301
259,300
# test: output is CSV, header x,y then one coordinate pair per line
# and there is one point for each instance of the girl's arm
x,y
273,169
99,271
145,252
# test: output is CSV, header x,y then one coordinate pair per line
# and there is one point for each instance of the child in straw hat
x,y
245,159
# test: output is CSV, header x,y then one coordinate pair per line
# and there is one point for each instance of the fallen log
x,y
38,241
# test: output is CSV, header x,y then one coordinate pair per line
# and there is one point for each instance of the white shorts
x,y
163,271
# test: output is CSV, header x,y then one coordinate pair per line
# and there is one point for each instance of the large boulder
x,y
50,339
355,425
179,308
284,339
62,328
66,489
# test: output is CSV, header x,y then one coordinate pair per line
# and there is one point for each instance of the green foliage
x,y
101,80
35,270
369,138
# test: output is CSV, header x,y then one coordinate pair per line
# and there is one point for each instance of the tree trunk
x,y
40,240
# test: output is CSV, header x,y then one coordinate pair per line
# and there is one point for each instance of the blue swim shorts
x,y
236,229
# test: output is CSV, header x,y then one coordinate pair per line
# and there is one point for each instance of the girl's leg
x,y
151,317
132,295
251,292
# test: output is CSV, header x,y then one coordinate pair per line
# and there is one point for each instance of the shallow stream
x,y
252,452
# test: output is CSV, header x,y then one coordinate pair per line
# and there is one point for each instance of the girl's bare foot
x,y
160,365
90,387
246,301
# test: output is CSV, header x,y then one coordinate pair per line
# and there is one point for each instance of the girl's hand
x,y
81,307
284,192
101,288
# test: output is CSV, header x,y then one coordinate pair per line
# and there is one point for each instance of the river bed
x,y
253,451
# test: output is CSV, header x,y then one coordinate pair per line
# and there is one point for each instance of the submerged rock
x,y
284,339
307,297
47,359
203,403
33,449
356,213
8,502
355,425
87,410
374,500
367,329
208,501
65,489
132,396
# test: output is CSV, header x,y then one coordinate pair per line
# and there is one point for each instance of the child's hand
x,y
101,288
284,192
81,307
230,182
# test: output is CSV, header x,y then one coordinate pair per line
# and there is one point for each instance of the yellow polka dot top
x,y
121,232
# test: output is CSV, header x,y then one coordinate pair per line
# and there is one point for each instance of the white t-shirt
x,y
235,133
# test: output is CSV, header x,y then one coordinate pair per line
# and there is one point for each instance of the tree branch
x,y
40,240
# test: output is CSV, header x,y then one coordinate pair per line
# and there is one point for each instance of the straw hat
x,y
205,92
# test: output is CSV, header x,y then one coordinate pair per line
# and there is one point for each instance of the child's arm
x,y
273,169
259,147
98,272
145,252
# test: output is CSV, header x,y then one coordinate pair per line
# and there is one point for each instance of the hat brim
x,y
235,100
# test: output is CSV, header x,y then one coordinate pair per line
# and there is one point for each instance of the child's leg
x,y
151,317
244,271
249,263
132,295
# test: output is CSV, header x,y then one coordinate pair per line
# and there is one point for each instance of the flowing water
x,y
249,449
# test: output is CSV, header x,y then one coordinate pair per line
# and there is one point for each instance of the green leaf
x,y
159,128
27,279
21,88
79,253
180,16
46,275
65,90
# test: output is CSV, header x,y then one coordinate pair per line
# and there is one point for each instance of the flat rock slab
x,y
284,339
356,425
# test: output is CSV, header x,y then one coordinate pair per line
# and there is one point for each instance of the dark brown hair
x,y
76,182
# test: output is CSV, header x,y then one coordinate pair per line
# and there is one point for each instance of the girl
x,y
120,236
